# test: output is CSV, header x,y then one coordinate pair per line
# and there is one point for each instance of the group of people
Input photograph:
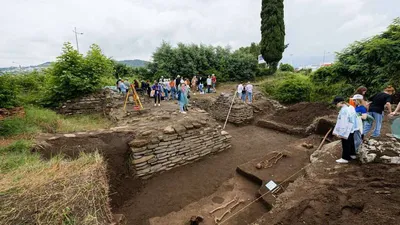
x,y
179,89
357,116
245,92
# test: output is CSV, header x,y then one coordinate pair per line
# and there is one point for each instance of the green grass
x,y
16,155
38,120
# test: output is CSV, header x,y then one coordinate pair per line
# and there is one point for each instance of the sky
x,y
33,31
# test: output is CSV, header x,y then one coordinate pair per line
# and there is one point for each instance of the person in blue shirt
x,y
123,87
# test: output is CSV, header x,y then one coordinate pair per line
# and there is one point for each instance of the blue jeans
x,y
173,93
250,96
357,140
378,124
244,96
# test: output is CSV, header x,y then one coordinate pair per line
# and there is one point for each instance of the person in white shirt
x,y
249,91
240,90
209,83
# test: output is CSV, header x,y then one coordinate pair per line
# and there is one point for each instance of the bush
x,y
8,92
293,89
73,75
286,67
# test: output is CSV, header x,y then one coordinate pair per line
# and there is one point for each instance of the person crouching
x,y
345,128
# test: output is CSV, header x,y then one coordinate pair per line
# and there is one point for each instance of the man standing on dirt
x,y
209,82
240,90
214,82
249,91
376,108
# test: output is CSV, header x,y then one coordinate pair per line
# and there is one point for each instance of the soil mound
x,y
302,114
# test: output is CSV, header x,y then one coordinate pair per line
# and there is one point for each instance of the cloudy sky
x,y
33,31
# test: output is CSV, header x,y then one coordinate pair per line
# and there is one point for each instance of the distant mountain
x,y
134,63
13,69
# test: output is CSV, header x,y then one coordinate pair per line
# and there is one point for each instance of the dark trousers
x,y
348,147
157,97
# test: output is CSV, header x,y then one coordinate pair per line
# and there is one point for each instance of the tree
x,y
73,75
272,32
8,91
286,67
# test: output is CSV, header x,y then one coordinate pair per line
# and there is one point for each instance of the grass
x,y
57,191
38,120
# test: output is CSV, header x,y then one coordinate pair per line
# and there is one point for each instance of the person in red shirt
x,y
214,82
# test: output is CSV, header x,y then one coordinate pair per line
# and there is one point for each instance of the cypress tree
x,y
272,32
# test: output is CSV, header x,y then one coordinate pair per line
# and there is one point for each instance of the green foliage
x,y
122,70
8,92
190,60
16,155
286,67
253,49
374,62
293,89
73,75
272,31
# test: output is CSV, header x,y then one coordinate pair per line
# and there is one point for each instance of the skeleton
x,y
219,219
224,206
271,161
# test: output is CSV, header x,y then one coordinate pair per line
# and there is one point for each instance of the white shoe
x,y
155,104
342,161
184,112
353,156
159,105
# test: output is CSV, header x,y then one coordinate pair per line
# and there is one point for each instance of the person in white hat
x,y
362,114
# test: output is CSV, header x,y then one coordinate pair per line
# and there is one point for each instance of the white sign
x,y
271,185
261,59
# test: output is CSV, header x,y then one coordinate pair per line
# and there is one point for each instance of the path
x,y
177,188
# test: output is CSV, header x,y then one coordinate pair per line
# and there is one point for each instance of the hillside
x,y
134,63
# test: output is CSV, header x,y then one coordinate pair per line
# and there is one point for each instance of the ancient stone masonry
x,y
241,112
179,144
100,102
383,151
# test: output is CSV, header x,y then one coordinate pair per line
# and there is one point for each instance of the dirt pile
x,y
339,194
302,114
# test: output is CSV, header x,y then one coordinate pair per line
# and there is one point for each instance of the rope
x,y
284,181
229,112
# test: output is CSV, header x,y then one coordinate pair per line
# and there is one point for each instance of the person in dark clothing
x,y
177,82
376,109
157,92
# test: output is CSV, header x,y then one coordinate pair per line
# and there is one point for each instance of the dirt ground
x,y
302,114
173,190
330,193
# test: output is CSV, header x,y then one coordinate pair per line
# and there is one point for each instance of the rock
x,y
146,133
135,150
370,158
169,130
53,138
224,133
69,135
143,159
372,142
372,148
179,128
196,125
391,160
137,143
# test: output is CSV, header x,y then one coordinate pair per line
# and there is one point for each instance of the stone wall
x,y
241,112
382,151
100,102
180,144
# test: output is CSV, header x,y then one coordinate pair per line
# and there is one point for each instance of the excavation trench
x,y
168,191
